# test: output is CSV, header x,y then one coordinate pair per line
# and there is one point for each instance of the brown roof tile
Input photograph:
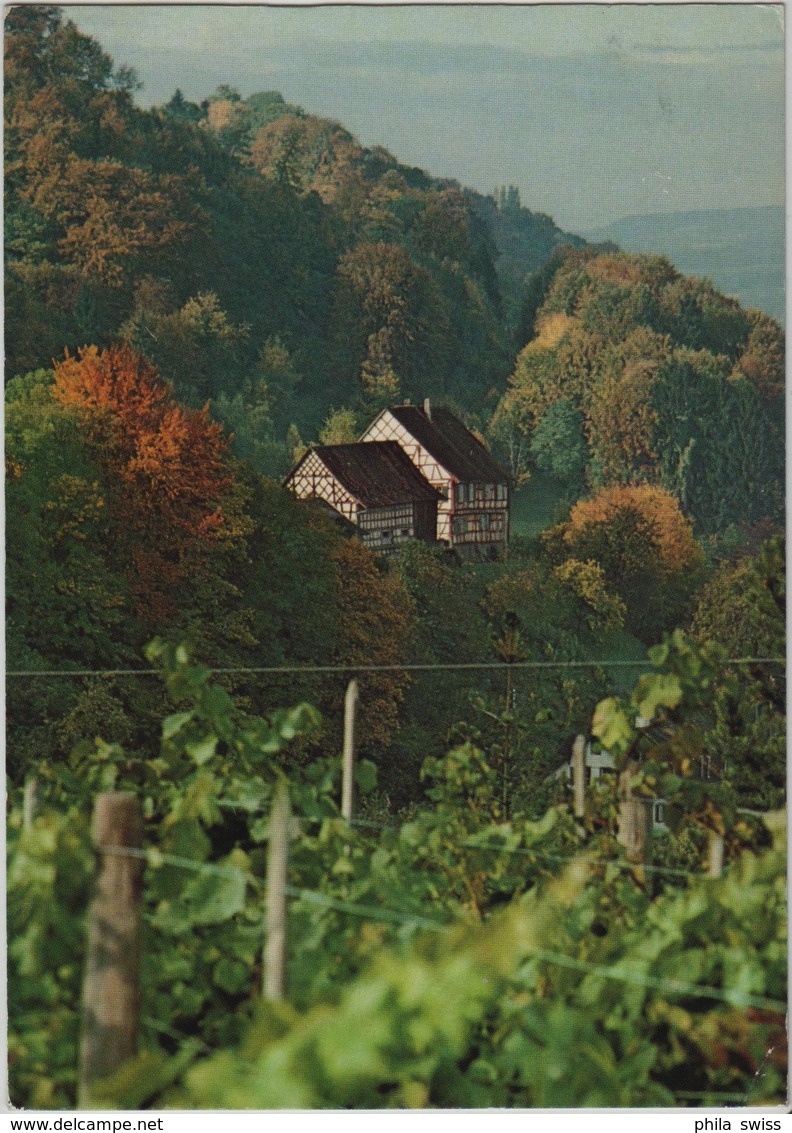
x,y
450,443
378,473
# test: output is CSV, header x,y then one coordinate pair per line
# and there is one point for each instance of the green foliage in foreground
x,y
488,1016
455,960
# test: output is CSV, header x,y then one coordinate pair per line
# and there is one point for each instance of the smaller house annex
x,y
375,486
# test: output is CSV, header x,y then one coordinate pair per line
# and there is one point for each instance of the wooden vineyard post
x,y
111,992
579,776
348,761
716,848
277,869
635,819
29,802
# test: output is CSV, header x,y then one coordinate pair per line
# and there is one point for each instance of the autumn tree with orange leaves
x,y
172,493
129,520
672,533
645,548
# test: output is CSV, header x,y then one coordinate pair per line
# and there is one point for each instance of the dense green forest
x,y
196,292
636,373
258,254
742,249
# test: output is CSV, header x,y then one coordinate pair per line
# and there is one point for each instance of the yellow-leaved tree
x,y
645,548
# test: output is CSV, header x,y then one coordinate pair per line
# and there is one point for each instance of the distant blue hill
x,y
740,250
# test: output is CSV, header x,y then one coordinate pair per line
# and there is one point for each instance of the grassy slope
x,y
535,506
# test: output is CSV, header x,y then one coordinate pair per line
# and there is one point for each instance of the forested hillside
x,y
217,284
741,250
636,373
260,256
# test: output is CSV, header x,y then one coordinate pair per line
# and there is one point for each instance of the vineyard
x,y
455,955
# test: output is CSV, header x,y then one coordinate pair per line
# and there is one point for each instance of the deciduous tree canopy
x,y
677,385
645,548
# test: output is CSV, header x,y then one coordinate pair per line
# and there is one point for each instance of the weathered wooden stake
x,y
579,776
111,992
348,762
635,819
29,802
277,868
716,848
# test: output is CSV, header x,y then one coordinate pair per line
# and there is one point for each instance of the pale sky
x,y
595,112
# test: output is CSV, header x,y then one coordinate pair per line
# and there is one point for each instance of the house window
x,y
500,491
707,771
659,811
485,521
489,491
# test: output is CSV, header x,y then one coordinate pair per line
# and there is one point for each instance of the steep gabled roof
x,y
450,443
377,473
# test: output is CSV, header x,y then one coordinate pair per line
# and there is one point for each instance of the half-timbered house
x,y
473,513
375,486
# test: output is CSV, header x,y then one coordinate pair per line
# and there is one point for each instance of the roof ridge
x,y
477,465
377,473
353,444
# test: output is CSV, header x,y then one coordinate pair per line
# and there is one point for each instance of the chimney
x,y
428,408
